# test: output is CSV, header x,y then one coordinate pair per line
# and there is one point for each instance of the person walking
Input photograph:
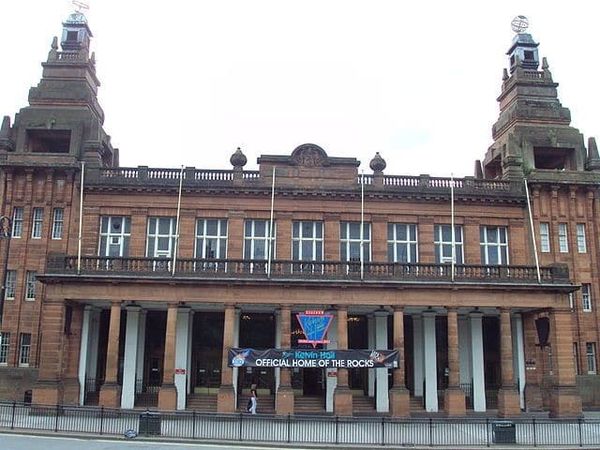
x,y
253,401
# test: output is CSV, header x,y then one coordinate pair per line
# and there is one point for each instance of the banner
x,y
337,359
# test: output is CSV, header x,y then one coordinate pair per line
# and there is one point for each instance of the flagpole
x,y
362,224
80,236
535,252
177,221
270,243
452,223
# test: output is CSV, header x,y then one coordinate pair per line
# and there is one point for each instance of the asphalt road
x,y
28,442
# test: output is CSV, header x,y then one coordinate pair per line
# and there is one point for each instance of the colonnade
x,y
465,360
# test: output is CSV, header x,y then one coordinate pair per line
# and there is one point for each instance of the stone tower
x,y
533,131
63,122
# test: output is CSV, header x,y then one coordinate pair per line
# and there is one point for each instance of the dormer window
x,y
72,36
528,55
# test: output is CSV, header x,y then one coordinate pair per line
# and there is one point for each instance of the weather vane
x,y
79,5
519,24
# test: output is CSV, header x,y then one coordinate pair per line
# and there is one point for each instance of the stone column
x,y
399,395
331,382
508,397
418,355
342,397
565,400
371,344
132,327
110,392
284,401
382,401
277,345
464,348
235,371
182,335
479,403
49,389
226,395
141,349
167,394
84,351
519,357
454,396
430,362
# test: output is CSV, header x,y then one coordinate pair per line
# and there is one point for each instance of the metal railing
x,y
303,270
282,430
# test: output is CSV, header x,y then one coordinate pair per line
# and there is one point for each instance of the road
x,y
29,442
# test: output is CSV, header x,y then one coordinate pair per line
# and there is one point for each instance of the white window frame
x,y
37,222
410,243
4,348
219,239
590,354
10,287
17,222
439,243
24,350
315,242
544,237
487,247
30,285
119,237
347,243
563,238
252,238
581,241
155,234
586,297
58,218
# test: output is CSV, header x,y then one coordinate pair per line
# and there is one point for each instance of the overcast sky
x,y
185,83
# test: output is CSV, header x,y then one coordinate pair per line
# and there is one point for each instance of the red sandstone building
x,y
137,300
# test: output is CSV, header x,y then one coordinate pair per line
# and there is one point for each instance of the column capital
x,y
285,306
341,308
116,303
381,313
475,314
133,308
173,305
429,313
504,309
399,308
229,305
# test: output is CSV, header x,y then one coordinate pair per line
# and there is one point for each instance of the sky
x,y
186,82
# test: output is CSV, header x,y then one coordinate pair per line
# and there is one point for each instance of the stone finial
x,y
238,160
93,58
545,65
377,164
478,170
504,74
592,148
54,45
5,128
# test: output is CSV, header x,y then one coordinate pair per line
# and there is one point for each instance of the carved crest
x,y
309,155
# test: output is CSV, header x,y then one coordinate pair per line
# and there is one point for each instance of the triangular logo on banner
x,y
314,326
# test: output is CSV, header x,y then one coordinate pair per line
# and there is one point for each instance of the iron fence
x,y
343,431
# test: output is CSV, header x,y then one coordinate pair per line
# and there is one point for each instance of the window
x,y
586,297
24,349
307,241
161,237
17,227
581,244
350,240
576,358
402,243
4,347
494,245
211,238
10,285
38,220
114,236
30,282
563,241
590,350
57,223
256,237
545,237
443,244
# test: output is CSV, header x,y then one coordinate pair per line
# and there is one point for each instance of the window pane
x,y
307,229
319,251
223,228
319,230
248,228
164,225
104,224
295,229
390,228
355,230
260,228
211,227
413,232
400,232
295,250
307,250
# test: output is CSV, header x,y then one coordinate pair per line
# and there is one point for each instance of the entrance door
x,y
207,348
312,382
